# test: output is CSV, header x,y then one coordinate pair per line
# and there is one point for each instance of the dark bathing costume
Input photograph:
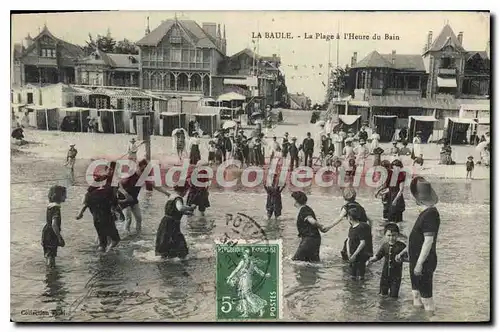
x,y
310,243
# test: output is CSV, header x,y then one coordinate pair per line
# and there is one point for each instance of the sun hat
x,y
423,192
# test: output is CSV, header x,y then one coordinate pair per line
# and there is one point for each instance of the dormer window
x,y
48,52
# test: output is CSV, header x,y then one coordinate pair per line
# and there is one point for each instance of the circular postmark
x,y
247,242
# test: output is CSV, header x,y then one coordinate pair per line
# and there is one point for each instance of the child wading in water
x,y
359,243
470,167
273,204
51,233
392,271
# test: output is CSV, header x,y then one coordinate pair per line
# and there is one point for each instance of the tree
x,y
338,82
104,43
125,47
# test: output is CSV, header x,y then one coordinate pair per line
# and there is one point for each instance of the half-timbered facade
x,y
181,56
47,59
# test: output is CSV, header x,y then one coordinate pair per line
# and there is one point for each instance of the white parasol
x,y
229,124
320,123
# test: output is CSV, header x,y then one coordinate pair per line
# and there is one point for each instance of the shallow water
x,y
174,290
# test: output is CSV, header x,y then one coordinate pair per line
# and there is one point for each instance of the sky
x,y
304,61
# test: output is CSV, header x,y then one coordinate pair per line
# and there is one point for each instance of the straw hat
x,y
423,192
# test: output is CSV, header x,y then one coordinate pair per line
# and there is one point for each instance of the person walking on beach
x,y
132,150
362,153
390,280
375,141
70,161
308,148
309,230
469,165
294,153
170,242
394,150
51,232
275,149
417,145
194,149
422,244
285,146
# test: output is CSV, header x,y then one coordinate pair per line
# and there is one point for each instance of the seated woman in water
x,y
308,227
170,242
51,233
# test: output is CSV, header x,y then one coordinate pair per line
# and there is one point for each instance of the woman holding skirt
x,y
170,242
194,149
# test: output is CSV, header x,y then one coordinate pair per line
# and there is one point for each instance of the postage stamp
x,y
249,280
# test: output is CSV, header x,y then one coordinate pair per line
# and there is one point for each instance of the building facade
x,y
108,69
45,59
440,83
454,70
252,74
181,56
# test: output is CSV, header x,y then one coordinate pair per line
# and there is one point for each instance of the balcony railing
x,y
175,64
447,71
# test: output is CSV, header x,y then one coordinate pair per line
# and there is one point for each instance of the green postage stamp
x,y
249,281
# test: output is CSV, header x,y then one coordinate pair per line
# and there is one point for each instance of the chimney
x,y
354,59
210,28
393,57
460,37
148,31
429,40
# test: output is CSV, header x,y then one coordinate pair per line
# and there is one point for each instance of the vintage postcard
x,y
273,166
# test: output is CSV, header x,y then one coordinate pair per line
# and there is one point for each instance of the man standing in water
x,y
422,244
70,161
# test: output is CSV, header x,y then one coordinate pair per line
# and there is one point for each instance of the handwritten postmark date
x,y
248,280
